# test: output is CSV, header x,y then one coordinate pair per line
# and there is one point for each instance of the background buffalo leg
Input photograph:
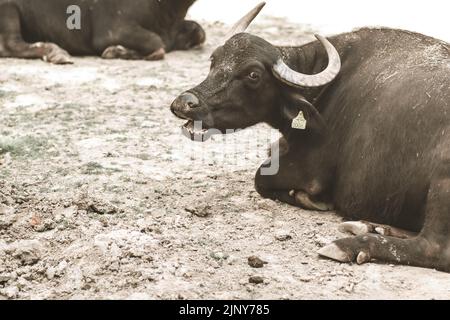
x,y
13,45
133,42
120,52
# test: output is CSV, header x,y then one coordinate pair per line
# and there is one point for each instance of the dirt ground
x,y
101,197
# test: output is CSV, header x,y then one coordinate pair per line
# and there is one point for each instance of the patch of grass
x,y
4,94
24,147
143,156
95,168
5,173
75,106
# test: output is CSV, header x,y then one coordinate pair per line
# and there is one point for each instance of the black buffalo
x,y
125,29
376,146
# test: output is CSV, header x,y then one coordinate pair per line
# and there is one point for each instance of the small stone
x,y
5,277
50,273
10,292
305,279
27,251
219,256
7,217
202,211
102,208
256,280
232,260
5,210
45,225
256,262
61,267
283,235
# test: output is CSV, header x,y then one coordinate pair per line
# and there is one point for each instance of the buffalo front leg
x,y
129,42
429,249
283,187
12,44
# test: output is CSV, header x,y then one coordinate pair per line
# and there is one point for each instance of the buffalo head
x,y
247,81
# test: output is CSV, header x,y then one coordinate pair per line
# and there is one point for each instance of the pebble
x,y
283,235
305,279
61,267
50,273
5,210
5,277
256,280
232,260
7,217
256,262
202,211
219,256
27,251
10,292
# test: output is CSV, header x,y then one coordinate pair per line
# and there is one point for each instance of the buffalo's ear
x,y
296,103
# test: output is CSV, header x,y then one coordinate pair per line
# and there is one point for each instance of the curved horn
x,y
245,21
294,78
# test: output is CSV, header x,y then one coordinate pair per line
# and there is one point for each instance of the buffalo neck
x,y
310,58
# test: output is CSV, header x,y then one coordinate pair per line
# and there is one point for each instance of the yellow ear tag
x,y
299,122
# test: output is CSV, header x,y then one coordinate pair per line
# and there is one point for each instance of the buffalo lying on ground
x,y
376,146
122,29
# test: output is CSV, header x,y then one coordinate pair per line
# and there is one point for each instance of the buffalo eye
x,y
254,76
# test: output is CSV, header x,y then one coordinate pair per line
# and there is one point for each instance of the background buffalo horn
x,y
294,78
243,24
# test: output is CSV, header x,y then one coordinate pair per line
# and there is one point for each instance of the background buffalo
x,y
137,29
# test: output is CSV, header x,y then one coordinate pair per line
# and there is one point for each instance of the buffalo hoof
x,y
356,228
120,52
333,252
346,250
53,54
304,200
114,52
157,55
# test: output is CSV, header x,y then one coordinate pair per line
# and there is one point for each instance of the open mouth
x,y
194,131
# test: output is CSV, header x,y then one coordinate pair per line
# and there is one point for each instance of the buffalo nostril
x,y
190,101
191,104
183,104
